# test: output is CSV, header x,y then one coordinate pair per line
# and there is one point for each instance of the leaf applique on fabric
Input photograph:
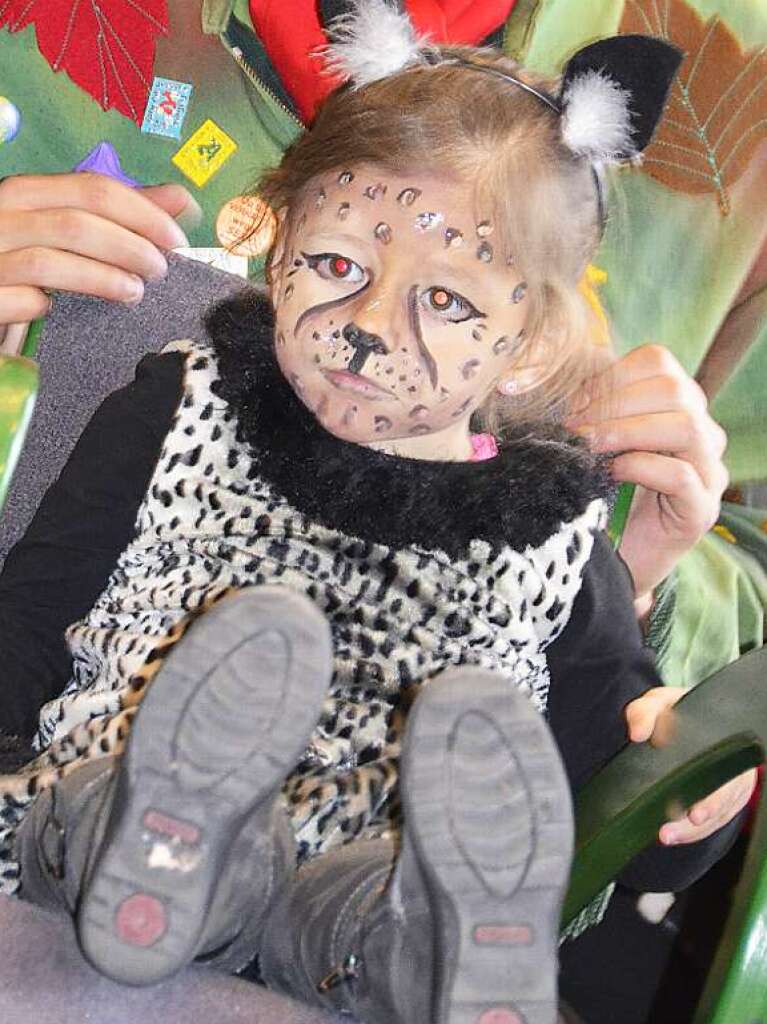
x,y
105,46
717,110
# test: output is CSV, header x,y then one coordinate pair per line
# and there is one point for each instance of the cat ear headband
x,y
611,96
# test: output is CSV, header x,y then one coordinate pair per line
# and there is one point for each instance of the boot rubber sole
x,y
488,818
225,720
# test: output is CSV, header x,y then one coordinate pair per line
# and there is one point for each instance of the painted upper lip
x,y
340,376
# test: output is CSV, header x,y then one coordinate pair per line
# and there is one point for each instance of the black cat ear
x,y
613,94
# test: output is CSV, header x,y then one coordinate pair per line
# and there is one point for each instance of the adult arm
x,y
54,574
647,410
598,665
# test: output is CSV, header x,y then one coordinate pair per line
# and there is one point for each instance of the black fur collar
x,y
543,476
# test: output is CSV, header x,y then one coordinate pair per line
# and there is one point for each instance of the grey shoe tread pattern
x,y
227,716
488,813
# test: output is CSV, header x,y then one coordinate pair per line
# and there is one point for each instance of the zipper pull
x,y
346,971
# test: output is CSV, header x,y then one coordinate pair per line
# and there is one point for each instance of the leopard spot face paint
x,y
485,252
463,407
519,292
428,220
408,196
398,260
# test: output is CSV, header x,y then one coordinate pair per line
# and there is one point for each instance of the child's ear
x,y
276,256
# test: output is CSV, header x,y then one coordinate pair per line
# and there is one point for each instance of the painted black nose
x,y
364,344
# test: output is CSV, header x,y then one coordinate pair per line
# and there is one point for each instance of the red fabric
x,y
106,48
292,32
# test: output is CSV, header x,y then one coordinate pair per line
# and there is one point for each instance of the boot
x,y
175,850
461,925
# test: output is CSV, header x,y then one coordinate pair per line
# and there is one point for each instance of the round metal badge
x,y
246,226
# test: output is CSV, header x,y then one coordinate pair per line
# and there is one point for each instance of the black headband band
x,y
553,104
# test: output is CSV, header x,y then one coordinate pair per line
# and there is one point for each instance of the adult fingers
x,y
20,304
82,232
643,713
66,271
98,194
640,364
700,442
176,201
733,794
693,502
645,396
710,814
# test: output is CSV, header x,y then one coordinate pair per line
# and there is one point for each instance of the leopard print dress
x,y
211,523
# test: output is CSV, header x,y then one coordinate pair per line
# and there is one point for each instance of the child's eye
x,y
450,305
331,266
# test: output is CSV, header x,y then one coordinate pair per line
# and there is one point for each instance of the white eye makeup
x,y
448,305
332,266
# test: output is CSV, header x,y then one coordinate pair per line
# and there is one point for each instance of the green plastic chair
x,y
18,390
719,730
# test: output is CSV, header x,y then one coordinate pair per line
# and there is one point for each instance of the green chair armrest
x,y
716,731
719,729
18,390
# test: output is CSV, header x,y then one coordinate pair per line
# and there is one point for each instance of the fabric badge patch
x,y
166,108
204,153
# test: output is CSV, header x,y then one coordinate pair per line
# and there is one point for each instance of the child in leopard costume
x,y
243,780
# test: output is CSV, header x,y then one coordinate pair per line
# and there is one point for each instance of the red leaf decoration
x,y
105,46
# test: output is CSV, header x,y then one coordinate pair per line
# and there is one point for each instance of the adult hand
x,y
649,718
82,233
649,410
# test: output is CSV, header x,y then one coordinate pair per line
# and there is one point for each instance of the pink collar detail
x,y
484,446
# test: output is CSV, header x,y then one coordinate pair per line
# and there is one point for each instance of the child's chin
x,y
347,432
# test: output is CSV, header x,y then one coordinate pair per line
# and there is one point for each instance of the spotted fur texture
x,y
225,511
543,476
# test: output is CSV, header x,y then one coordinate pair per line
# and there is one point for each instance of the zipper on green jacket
x,y
278,120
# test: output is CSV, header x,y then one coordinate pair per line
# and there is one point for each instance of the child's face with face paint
x,y
396,312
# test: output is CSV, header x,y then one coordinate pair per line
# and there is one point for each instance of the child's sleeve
x,y
56,571
597,666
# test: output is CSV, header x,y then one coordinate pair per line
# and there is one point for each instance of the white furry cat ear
x,y
613,93
373,41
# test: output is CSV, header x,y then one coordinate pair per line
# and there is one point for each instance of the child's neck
x,y
452,444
